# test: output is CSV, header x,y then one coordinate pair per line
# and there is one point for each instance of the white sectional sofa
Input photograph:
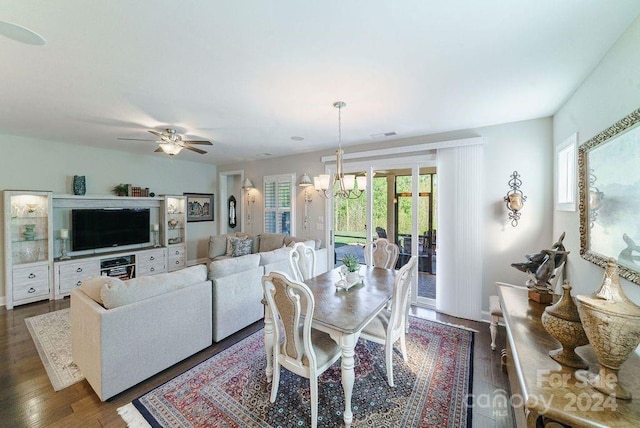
x,y
124,332
237,281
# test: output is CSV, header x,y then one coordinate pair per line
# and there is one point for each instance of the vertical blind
x,y
278,207
459,279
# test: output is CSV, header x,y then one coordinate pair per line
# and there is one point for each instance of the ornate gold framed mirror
x,y
609,185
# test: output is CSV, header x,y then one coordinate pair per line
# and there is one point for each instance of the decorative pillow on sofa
x,y
255,239
92,286
241,246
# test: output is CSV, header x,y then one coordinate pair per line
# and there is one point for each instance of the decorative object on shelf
x,y
29,255
171,209
612,323
120,189
79,185
609,211
305,182
232,211
543,269
515,198
32,209
347,189
199,206
29,232
172,223
562,321
156,235
248,187
64,237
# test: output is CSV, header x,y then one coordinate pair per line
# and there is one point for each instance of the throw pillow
x,y
241,246
229,251
92,286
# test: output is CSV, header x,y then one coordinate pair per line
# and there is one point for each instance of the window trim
x,y
291,179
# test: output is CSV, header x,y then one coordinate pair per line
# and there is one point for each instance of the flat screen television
x,y
104,228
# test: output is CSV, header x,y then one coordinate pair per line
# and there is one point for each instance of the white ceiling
x,y
248,75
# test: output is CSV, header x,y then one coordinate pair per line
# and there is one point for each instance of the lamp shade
x,y
362,182
247,184
305,181
349,181
323,182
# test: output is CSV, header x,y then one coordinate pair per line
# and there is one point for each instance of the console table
x,y
545,393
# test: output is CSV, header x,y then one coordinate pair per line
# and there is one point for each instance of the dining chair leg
x,y
403,347
314,401
389,358
275,381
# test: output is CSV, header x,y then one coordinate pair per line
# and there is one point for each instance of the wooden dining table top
x,y
348,311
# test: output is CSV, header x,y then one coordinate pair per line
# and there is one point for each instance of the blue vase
x,y
79,185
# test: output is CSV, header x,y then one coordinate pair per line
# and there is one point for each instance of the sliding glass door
x,y
399,205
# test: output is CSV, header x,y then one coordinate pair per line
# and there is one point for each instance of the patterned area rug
x,y
51,333
230,388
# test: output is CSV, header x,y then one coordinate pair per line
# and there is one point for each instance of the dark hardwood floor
x,y
28,400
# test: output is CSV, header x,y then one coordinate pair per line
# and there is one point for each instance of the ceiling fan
x,y
172,143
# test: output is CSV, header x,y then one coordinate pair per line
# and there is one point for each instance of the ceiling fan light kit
x,y
172,143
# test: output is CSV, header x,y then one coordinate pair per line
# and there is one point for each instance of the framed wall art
x,y
199,206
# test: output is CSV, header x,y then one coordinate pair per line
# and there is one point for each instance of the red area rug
x,y
230,389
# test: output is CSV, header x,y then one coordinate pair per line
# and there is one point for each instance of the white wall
x,y
523,146
30,164
608,94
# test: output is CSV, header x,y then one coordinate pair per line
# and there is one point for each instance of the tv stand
x,y
124,265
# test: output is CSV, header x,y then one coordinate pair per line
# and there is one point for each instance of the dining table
x,y
342,313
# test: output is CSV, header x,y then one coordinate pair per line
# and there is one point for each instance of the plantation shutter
x,y
278,203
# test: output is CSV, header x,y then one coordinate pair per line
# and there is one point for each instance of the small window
x,y
566,174
279,209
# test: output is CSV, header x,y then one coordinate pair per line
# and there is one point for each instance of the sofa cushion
x,y
219,268
271,241
268,257
241,246
120,293
217,245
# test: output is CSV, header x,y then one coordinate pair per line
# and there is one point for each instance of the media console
x,y
69,274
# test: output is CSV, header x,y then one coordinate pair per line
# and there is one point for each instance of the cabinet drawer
x,y
31,290
78,270
176,251
150,257
151,269
30,275
176,263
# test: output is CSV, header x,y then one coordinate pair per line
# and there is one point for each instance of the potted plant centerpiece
x,y
352,266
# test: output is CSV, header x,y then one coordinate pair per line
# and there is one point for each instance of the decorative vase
x,y
29,233
79,185
612,323
562,321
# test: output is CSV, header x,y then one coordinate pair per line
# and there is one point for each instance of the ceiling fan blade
x,y
204,142
193,149
158,134
158,150
133,139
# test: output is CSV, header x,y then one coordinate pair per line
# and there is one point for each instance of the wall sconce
x,y
515,198
305,182
248,186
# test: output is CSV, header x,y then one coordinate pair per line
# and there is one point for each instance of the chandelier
x,y
347,189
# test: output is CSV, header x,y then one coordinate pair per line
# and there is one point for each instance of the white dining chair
x,y
302,262
381,253
389,326
300,349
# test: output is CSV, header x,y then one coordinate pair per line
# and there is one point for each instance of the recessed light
x,y
297,138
